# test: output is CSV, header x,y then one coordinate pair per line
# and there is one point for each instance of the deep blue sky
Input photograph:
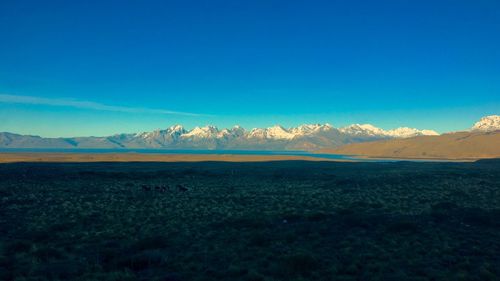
x,y
425,64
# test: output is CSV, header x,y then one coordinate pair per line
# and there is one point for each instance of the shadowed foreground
x,y
250,221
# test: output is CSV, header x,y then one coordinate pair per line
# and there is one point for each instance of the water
x,y
210,152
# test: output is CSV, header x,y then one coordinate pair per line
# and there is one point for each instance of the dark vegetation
x,y
250,221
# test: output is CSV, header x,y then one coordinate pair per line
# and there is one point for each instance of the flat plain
x,y
284,220
44,157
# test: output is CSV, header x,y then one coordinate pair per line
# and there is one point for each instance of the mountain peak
x,y
308,129
406,132
176,128
278,132
370,130
362,129
487,124
202,132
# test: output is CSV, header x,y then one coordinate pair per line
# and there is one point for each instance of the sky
x,y
82,68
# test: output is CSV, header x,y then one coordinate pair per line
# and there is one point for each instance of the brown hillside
x,y
462,145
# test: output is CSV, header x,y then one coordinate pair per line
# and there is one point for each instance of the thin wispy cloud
x,y
87,105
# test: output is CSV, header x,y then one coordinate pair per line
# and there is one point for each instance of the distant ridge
x,y
480,142
304,137
461,145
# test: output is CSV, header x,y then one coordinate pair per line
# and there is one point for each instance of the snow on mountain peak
x,y
278,132
487,124
362,129
173,131
236,131
257,133
202,132
429,133
370,130
405,132
176,128
308,129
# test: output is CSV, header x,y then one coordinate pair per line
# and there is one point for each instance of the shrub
x,y
300,264
17,246
60,270
407,227
148,243
47,253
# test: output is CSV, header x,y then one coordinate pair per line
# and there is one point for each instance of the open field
x,y
143,157
286,220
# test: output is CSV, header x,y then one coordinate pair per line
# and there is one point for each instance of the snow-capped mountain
x,y
173,132
487,124
234,132
370,130
405,132
278,133
304,137
362,129
310,129
202,132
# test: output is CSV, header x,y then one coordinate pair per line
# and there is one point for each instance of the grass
x,y
250,221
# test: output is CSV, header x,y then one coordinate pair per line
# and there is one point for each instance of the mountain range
x,y
305,137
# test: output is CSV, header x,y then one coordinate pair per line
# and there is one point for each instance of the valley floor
x,y
288,220
16,157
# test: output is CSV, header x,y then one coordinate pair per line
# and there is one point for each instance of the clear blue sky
x,y
73,68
